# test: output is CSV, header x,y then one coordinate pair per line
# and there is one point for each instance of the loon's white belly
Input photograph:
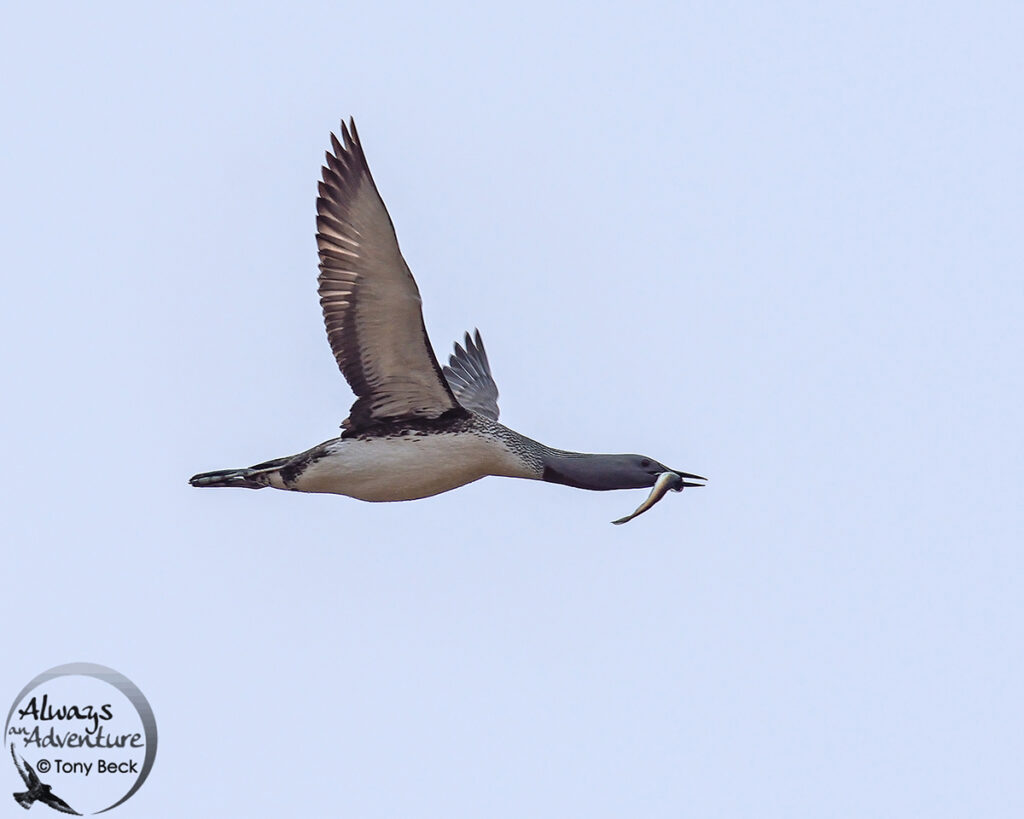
x,y
406,467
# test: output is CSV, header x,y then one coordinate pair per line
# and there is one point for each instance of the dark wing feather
x,y
33,778
370,301
57,803
469,375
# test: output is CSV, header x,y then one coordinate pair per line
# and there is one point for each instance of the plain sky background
x,y
780,245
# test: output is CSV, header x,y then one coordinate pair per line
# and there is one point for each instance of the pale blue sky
x,y
779,245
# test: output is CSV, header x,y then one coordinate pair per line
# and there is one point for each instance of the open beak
x,y
685,483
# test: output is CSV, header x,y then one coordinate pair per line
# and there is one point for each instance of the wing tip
x,y
345,159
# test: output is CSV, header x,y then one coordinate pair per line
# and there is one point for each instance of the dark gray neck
x,y
578,469
597,472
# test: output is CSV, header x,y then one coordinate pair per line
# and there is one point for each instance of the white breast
x,y
407,467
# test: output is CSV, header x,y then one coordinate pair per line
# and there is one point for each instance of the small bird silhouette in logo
x,y
37,791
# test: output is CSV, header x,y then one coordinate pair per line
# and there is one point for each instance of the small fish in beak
x,y
665,482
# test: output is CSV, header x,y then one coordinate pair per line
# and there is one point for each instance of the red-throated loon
x,y
415,430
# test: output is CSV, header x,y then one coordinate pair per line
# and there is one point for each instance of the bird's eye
x,y
645,462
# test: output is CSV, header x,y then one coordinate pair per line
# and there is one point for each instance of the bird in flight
x,y
37,791
415,429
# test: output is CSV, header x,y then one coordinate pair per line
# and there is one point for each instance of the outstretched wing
x,y
370,300
57,803
29,777
469,375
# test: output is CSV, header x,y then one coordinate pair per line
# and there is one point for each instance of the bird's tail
x,y
228,477
24,799
255,477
